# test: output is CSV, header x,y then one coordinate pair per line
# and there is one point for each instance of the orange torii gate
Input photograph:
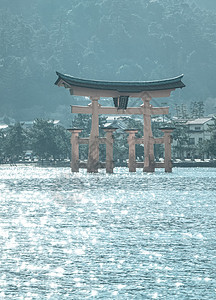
x,y
120,91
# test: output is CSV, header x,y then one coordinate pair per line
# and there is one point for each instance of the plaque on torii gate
x,y
121,91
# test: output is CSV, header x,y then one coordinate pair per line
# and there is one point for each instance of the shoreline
x,y
195,164
181,164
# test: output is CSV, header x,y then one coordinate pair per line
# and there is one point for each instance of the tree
x,y
62,142
15,142
197,109
211,144
43,139
180,135
83,122
201,149
2,142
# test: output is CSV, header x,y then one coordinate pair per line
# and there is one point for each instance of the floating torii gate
x,y
120,91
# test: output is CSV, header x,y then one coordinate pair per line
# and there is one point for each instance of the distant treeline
x,y
45,140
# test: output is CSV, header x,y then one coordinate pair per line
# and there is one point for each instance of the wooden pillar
x,y
148,137
75,149
167,149
132,152
109,149
93,152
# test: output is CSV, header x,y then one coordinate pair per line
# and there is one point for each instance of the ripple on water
x,y
99,236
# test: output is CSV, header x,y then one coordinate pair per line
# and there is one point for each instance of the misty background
x,y
104,40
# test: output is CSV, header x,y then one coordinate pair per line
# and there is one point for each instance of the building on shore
x,y
198,130
190,137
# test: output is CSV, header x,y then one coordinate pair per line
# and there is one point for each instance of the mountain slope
x,y
102,39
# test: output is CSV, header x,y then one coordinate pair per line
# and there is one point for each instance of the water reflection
x,y
120,236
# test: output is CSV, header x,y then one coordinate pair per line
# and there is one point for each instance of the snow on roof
x,y
199,121
3,126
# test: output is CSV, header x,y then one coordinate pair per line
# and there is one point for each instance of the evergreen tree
x,y
2,143
180,134
197,109
43,139
15,142
211,144
62,142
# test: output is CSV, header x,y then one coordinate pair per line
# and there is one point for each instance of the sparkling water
x,y
99,236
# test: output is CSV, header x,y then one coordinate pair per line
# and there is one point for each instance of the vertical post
x,y
167,149
132,152
75,149
93,154
109,149
148,137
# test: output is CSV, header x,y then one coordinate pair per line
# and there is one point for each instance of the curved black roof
x,y
120,86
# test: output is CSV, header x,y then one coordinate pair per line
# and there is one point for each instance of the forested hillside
x,y
102,39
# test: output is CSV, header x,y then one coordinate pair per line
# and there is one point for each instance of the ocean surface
x,y
99,236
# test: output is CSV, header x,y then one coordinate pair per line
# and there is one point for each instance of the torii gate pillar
x,y
132,153
148,136
167,149
75,149
93,153
109,149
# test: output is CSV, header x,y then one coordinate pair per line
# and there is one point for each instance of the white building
x,y
192,134
198,130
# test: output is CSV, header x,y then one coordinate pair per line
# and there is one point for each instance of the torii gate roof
x,y
86,87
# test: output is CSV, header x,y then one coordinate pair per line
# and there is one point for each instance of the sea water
x,y
99,236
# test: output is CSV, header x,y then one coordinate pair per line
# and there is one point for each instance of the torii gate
x,y
120,92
